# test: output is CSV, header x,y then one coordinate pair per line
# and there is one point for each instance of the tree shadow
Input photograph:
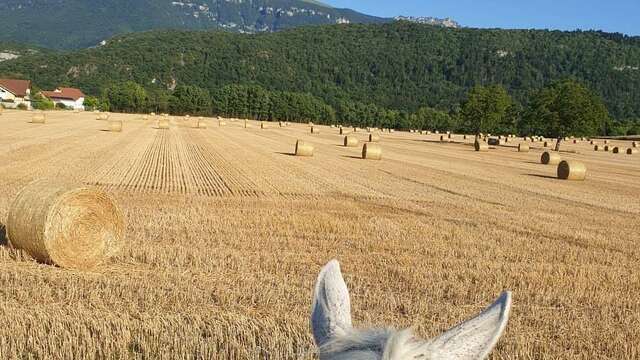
x,y
541,176
3,235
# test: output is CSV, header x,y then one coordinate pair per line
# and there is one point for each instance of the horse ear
x,y
331,310
475,338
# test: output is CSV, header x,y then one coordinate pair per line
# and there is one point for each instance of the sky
x,y
609,15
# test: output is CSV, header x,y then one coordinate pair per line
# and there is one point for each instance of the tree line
x,y
400,74
562,108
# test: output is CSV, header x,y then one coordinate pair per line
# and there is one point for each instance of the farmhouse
x,y
71,98
15,92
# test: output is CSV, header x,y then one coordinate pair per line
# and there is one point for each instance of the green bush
x,y
22,106
61,106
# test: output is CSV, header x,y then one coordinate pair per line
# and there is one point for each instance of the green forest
x,y
399,74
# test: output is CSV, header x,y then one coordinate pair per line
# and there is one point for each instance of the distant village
x,y
16,94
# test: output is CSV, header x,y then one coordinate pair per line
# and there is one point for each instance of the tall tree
x,y
566,108
488,109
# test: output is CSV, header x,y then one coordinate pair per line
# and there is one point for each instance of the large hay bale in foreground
x,y
65,225
303,149
371,152
631,151
481,146
550,158
522,147
350,141
374,138
39,119
572,170
115,125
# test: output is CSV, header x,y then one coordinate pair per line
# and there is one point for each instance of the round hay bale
x,y
606,141
450,136
572,170
39,119
437,132
550,158
303,148
596,147
163,123
631,151
350,141
616,150
202,124
634,144
464,137
69,226
263,125
153,114
371,152
493,142
481,146
606,148
374,138
575,141
392,130
522,147
315,130
246,124
444,138
341,131
222,123
593,142
545,144
115,125
355,129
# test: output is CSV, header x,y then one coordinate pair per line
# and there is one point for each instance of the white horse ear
x,y
474,338
331,310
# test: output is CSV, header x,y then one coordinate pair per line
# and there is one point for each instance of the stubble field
x,y
226,232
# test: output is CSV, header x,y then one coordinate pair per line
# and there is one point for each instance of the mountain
x,y
429,21
75,24
399,65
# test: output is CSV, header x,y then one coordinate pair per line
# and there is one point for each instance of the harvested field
x,y
226,232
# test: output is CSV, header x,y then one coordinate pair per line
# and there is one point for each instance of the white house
x,y
15,92
71,98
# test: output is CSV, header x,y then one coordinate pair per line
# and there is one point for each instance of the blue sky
x,y
612,15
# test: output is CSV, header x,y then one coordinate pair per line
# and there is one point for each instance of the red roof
x,y
16,87
64,93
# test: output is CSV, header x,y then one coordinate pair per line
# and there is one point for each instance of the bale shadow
x,y
3,235
285,153
352,157
542,176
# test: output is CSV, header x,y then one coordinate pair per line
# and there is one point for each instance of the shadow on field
x,y
3,235
541,176
352,157
286,153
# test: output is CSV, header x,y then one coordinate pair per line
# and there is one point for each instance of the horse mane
x,y
375,344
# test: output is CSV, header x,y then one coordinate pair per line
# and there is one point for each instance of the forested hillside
x,y
75,24
401,66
